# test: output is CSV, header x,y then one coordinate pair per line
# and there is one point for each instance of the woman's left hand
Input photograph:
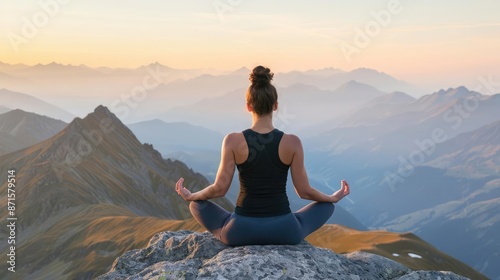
x,y
342,192
182,191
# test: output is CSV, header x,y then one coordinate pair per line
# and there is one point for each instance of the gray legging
x,y
237,230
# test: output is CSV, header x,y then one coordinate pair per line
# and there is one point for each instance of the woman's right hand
x,y
182,191
342,192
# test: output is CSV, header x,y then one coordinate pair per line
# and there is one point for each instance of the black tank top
x,y
262,177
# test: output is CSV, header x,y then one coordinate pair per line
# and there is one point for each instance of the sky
x,y
428,43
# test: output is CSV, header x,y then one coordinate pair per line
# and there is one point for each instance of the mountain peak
x,y
354,85
395,97
459,92
99,133
155,65
242,71
52,65
103,111
451,94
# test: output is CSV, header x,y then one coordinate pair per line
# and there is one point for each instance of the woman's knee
x,y
325,207
330,207
198,205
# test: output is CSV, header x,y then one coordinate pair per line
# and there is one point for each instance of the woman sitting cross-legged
x,y
263,155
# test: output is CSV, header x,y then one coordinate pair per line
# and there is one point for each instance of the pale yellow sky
x,y
432,44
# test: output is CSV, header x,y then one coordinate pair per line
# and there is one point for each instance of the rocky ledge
x,y
193,255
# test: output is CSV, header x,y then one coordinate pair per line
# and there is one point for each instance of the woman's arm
x,y
301,181
223,179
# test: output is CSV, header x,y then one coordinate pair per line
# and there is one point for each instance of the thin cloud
x,y
419,28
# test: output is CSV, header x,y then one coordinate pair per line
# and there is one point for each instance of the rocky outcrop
x,y
191,255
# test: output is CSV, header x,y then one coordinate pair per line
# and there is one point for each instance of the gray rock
x,y
192,255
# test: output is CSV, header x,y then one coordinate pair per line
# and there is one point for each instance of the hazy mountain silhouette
x,y
159,88
392,98
450,94
19,129
353,91
80,88
335,79
17,100
329,71
223,114
89,193
298,107
243,71
4,109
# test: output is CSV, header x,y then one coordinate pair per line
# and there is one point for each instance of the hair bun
x,y
261,76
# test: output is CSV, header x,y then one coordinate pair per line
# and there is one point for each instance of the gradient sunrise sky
x,y
430,43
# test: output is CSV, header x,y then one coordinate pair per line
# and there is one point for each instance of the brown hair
x,y
261,94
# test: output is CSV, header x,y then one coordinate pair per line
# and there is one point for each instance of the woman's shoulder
x,y
233,137
291,140
291,137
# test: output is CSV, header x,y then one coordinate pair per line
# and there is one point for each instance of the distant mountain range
x,y
297,109
160,88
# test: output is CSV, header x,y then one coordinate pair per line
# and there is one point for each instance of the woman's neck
x,y
262,124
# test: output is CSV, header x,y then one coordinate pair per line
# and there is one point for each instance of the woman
x,y
263,156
